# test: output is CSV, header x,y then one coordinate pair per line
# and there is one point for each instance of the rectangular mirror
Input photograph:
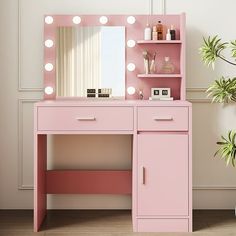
x,y
90,57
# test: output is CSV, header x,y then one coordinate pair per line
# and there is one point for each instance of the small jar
x,y
168,67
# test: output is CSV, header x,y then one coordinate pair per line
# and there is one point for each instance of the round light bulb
x,y
49,67
131,67
48,43
49,20
131,20
131,90
131,43
48,90
103,20
76,20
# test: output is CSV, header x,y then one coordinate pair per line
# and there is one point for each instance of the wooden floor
x,y
108,223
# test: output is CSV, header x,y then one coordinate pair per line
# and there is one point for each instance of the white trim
x,y
161,7
214,187
21,185
199,100
193,90
20,88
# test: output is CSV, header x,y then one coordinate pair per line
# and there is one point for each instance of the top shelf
x,y
159,42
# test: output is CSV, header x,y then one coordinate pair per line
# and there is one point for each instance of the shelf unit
x,y
159,75
175,49
159,42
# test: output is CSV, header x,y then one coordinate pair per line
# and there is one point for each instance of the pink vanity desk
x,y
160,181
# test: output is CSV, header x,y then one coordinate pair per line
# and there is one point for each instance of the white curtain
x,y
78,60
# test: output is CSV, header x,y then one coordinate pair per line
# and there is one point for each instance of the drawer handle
x,y
163,118
143,175
86,118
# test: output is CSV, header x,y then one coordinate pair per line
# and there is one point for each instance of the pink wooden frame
x,y
133,55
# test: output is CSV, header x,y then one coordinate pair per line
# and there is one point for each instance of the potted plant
x,y
222,90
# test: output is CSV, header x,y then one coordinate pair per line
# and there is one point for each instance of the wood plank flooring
x,y
107,223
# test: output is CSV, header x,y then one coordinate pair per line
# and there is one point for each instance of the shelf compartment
x,y
89,181
159,41
159,75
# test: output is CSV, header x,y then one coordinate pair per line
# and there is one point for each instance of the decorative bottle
x,y
159,30
168,35
172,32
154,33
168,67
147,33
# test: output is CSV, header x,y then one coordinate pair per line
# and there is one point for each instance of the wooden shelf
x,y
159,42
159,75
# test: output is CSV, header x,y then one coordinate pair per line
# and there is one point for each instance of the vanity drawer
x,y
85,118
162,118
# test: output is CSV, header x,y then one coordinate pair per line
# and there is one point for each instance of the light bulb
x,y
48,43
131,43
48,67
131,20
131,90
48,90
131,67
103,20
76,20
49,20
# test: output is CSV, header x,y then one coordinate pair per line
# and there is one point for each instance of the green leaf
x,y
227,150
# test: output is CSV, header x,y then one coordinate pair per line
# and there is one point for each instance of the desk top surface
x,y
111,102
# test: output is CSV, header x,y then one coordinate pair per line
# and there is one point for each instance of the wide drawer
x,y
163,225
85,118
162,118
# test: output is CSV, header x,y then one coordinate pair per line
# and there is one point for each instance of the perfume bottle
x,y
168,67
154,33
159,30
168,35
172,32
147,33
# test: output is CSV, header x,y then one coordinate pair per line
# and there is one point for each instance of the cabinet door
x,y
163,174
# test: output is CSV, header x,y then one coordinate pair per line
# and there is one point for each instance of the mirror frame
x,y
133,55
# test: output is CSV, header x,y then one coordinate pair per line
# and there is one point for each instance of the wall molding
x,y
21,102
196,90
20,87
214,187
161,7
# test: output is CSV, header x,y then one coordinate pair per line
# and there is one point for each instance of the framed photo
x,y
160,92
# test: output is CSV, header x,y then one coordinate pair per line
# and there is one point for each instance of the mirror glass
x,y
90,58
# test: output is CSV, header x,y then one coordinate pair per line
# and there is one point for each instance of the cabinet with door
x,y
163,170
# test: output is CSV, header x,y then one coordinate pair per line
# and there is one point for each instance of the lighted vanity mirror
x,y
90,57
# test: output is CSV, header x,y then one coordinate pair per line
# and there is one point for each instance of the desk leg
x,y
40,168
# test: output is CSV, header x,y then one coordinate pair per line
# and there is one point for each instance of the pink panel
x,y
190,171
134,55
40,153
163,175
163,225
85,118
89,182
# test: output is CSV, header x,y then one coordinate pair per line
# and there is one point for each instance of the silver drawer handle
x,y
86,118
163,118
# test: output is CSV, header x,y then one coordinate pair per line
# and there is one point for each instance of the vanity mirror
x,y
94,51
90,57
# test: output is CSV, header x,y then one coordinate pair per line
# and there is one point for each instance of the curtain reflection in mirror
x,y
78,56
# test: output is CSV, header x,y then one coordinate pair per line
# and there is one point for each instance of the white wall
x,y
214,184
